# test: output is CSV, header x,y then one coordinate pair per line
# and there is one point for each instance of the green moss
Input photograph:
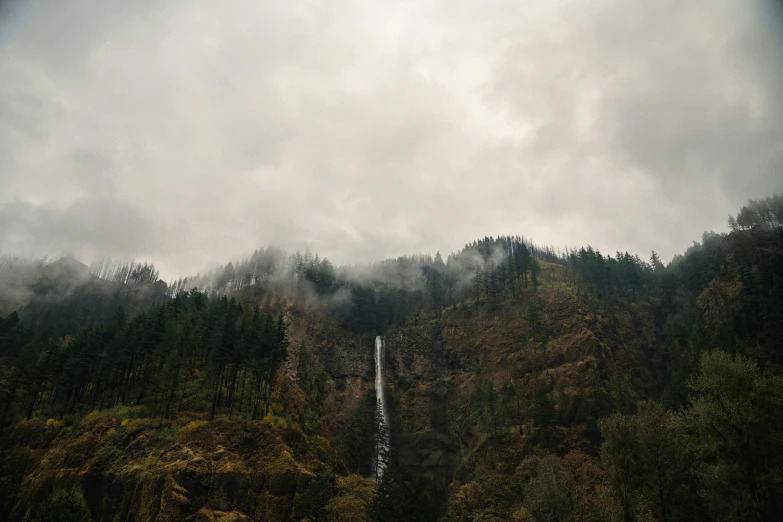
x,y
197,432
132,412
149,492
321,448
64,505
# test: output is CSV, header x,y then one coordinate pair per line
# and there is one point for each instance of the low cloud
x,y
192,132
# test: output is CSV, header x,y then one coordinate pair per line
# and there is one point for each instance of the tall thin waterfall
x,y
380,349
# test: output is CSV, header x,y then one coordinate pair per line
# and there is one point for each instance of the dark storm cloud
x,y
192,132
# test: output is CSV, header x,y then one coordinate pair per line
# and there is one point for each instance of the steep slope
x,y
62,295
548,342
132,466
23,281
581,362
530,395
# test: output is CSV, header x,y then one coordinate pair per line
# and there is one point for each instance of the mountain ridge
x,y
537,370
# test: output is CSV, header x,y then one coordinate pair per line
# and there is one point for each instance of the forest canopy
x,y
607,387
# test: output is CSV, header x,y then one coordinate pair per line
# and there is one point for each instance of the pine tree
x,y
397,498
303,369
535,270
64,505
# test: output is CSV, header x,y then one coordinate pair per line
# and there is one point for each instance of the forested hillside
x,y
525,383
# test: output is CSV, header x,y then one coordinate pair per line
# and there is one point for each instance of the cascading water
x,y
380,347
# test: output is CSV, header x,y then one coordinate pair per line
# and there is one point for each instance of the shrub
x,y
64,505
196,431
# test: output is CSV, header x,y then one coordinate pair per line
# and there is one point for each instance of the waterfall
x,y
380,399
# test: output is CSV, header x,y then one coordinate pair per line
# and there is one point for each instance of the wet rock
x,y
218,454
138,448
408,457
433,459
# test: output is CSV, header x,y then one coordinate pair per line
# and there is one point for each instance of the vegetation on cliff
x,y
625,390
523,384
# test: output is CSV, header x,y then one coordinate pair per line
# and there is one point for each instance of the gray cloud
x,y
191,132
91,227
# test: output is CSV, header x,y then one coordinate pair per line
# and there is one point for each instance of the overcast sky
x,y
190,132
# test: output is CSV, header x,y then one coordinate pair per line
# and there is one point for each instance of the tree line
x,y
193,352
705,442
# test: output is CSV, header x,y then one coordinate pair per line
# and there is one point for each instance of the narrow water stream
x,y
380,398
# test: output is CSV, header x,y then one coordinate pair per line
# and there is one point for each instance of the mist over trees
x,y
689,431
123,272
375,295
371,297
760,215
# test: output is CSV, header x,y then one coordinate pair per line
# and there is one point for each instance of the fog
x,y
191,132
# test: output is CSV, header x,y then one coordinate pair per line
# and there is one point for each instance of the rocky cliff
x,y
544,338
135,468
437,363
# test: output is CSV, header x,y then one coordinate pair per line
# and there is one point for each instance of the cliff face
x,y
546,338
143,469
135,468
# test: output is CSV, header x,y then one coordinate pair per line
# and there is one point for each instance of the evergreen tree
x,y
64,505
303,369
397,497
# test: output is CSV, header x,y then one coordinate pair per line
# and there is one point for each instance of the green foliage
x,y
358,438
737,428
702,334
304,376
397,497
563,488
762,215
648,462
310,504
543,411
64,505
719,459
353,499
486,406
217,353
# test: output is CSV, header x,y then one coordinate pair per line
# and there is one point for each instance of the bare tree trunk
x,y
215,396
184,385
242,390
